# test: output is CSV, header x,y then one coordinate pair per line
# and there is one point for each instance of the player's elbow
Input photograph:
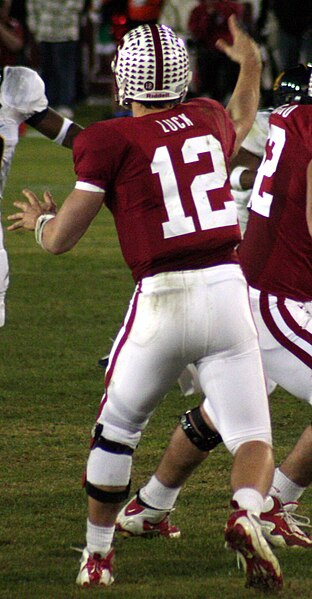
x,y
55,250
55,246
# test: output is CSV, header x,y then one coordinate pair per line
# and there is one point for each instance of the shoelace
x,y
295,521
75,548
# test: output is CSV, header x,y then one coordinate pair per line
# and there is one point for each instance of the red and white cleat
x,y
243,534
136,520
96,569
281,526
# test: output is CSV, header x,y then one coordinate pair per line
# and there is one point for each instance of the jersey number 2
x,y
178,223
261,201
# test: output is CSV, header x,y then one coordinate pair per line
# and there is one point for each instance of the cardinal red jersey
x,y
165,177
276,253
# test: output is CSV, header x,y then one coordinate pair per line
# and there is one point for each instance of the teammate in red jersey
x,y
164,175
276,257
276,253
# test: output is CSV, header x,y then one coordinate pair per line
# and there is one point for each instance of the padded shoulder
x,y
23,89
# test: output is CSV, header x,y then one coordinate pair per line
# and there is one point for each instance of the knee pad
x,y
109,462
198,432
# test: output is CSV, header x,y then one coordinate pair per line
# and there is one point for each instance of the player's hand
x,y
31,210
244,49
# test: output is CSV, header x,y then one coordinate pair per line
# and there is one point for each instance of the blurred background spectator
x,y
143,11
11,36
216,73
55,26
72,42
109,20
30,54
109,24
176,14
199,23
294,31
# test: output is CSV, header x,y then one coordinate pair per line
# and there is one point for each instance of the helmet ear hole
x,y
151,65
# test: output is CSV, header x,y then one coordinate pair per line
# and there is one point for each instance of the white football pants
x,y
177,318
285,337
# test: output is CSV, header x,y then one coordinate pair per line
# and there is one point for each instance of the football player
x,y
276,255
164,174
23,99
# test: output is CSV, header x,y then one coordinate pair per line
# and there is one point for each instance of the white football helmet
x,y
151,65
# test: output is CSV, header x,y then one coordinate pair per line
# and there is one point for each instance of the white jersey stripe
x,y
283,323
88,186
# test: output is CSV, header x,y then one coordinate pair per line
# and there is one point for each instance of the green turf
x,y
62,312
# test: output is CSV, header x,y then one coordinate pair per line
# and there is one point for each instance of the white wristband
x,y
40,224
235,177
62,132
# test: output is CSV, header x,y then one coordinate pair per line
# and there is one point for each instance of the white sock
x,y
99,538
249,499
284,488
157,496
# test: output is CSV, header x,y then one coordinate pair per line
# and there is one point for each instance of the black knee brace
x,y
198,432
107,496
107,444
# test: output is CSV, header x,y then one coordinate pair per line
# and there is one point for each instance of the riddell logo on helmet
x,y
151,65
157,95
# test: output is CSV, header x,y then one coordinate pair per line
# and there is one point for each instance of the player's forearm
x,y
51,238
61,233
56,233
245,98
244,102
55,127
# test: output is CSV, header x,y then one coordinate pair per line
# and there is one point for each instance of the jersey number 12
x,y
178,223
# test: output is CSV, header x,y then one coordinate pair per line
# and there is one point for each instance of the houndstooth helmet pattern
x,y
151,65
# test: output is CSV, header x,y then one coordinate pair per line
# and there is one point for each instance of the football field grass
x,y
62,313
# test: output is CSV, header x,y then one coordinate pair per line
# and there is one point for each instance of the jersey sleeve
x,y
23,90
97,152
